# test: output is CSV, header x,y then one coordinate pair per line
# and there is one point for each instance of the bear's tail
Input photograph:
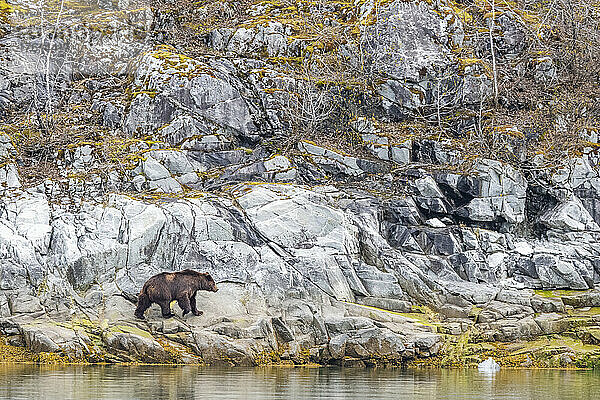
x,y
143,304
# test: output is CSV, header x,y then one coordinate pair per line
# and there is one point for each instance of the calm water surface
x,y
151,382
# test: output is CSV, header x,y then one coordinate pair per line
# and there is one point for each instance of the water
x,y
153,382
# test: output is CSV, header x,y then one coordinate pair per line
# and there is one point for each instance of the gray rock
x,y
9,177
552,323
24,303
338,326
499,191
112,117
139,345
7,150
281,167
317,271
427,187
338,163
452,311
44,337
282,331
271,38
400,154
375,343
217,350
389,49
427,342
94,47
176,162
188,179
569,216
185,87
585,299
555,273
154,170
337,346
509,310
388,304
512,296
166,185
547,305
509,330
545,71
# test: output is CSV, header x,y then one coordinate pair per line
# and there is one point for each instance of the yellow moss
x,y
286,60
462,13
273,357
593,311
559,293
273,90
465,62
175,354
17,354
175,64
158,197
303,356
132,330
265,358
421,314
5,10
538,353
151,93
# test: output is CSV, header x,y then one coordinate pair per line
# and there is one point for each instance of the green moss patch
x,y
559,293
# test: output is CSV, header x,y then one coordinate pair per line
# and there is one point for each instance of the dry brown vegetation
x,y
525,116
553,117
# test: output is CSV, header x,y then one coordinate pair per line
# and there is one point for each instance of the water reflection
x,y
157,382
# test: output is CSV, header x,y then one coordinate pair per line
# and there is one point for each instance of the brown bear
x,y
182,286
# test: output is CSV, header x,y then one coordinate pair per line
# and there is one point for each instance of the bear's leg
x,y
143,304
193,304
165,307
184,303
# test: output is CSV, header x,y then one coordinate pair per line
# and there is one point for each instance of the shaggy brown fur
x,y
182,286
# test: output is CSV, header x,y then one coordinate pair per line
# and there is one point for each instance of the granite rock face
x,y
325,248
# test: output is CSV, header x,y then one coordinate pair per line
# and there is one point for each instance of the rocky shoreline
x,y
370,337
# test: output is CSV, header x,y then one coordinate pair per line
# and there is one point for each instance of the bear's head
x,y
209,283
202,280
